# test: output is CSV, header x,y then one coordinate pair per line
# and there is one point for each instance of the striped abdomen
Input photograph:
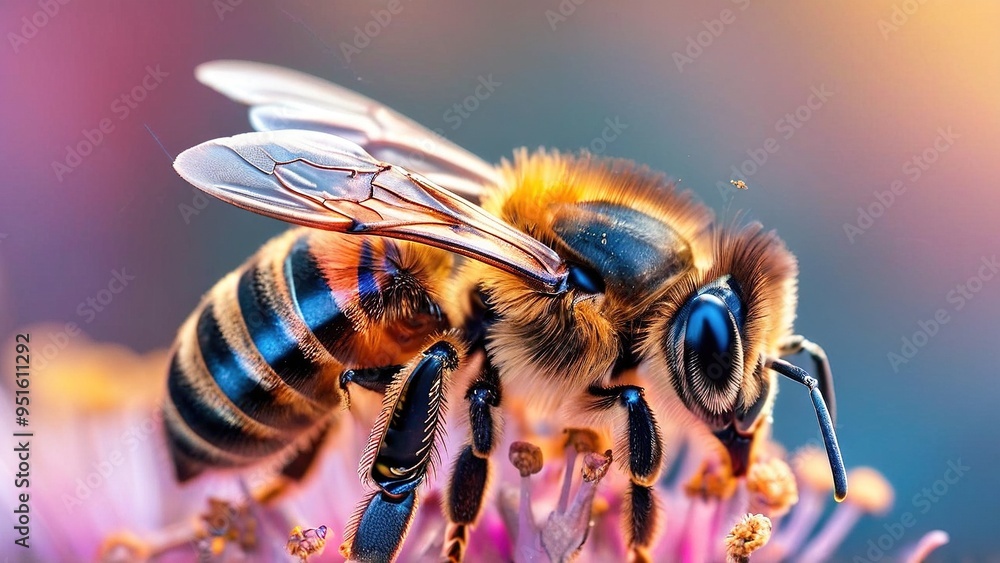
x,y
256,367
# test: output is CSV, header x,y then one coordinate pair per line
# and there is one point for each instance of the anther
x,y
772,487
748,535
595,466
306,543
526,457
582,440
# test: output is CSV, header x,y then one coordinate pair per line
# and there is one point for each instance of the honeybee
x,y
571,274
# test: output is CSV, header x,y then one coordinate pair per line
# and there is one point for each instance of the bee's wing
x,y
326,182
281,98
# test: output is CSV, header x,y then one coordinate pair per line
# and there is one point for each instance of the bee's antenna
x,y
800,375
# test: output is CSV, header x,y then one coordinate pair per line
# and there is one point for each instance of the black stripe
x,y
303,461
189,461
271,335
235,381
314,298
208,422
190,458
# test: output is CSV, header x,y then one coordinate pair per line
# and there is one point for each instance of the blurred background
x,y
867,132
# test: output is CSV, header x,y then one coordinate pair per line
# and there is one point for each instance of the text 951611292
x,y
22,438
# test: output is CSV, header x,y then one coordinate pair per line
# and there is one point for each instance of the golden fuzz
x,y
574,341
536,182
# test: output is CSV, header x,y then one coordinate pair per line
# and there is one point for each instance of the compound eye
x,y
584,279
710,338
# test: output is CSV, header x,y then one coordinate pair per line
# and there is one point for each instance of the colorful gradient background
x,y
892,92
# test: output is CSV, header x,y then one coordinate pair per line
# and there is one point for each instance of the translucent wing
x,y
326,182
281,98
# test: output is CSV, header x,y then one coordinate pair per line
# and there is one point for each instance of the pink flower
x,y
102,488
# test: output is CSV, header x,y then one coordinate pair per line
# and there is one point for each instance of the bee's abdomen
x,y
253,369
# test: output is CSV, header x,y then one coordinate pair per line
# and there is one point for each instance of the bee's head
x,y
718,336
714,330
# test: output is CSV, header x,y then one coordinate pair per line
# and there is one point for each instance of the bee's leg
x,y
470,475
375,379
400,452
642,460
798,343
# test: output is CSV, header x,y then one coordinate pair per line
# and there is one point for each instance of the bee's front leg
x,y
470,475
375,379
644,457
400,452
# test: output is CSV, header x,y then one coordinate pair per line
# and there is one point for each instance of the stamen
x,y
812,472
747,536
222,525
566,530
306,543
226,523
926,545
712,484
813,469
872,495
772,487
527,458
579,441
